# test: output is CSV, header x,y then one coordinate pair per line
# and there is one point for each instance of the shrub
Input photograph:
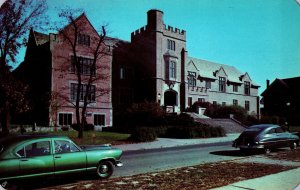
x,y
87,127
143,134
202,131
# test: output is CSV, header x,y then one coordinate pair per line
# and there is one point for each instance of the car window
x,y
21,152
271,131
279,130
41,148
1,148
63,146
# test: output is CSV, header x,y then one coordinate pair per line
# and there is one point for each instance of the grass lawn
x,y
94,137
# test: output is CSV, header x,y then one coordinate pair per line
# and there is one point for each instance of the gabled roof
x,y
289,85
208,70
82,16
39,38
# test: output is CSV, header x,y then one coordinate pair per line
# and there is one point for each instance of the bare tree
x,y
16,18
87,74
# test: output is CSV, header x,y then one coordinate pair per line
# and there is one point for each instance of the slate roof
x,y
290,85
40,38
207,69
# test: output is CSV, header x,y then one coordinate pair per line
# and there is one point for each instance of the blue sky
x,y
261,37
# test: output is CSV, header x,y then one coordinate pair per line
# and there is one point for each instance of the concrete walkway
x,y
287,180
167,143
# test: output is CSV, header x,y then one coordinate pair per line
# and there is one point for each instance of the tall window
x,y
191,79
247,105
235,88
222,86
235,102
247,87
171,45
122,73
64,119
208,84
172,69
83,39
86,65
91,94
190,101
99,119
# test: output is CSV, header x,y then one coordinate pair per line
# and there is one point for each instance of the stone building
x,y
162,71
154,66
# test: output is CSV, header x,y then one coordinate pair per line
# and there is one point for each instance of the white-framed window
x,y
64,119
171,45
91,93
99,119
122,73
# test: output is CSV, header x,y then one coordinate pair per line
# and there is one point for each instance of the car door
x,y
270,138
36,159
68,158
282,137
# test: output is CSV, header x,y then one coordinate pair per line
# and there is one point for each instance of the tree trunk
x,y
5,119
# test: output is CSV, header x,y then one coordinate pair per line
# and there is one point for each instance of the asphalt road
x,y
144,161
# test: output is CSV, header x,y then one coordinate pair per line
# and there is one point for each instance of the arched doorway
x,y
170,98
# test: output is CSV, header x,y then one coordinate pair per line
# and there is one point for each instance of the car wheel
x,y
105,169
293,146
267,150
7,186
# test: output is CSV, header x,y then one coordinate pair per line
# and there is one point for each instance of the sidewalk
x,y
287,180
168,143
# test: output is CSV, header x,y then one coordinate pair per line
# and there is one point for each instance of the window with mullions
x,y
208,84
64,119
171,45
91,94
247,87
83,39
191,79
235,88
235,102
222,86
247,105
87,66
99,119
172,69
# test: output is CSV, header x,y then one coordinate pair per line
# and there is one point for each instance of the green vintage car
x,y
32,156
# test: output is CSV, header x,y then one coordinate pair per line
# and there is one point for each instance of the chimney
x,y
268,83
155,20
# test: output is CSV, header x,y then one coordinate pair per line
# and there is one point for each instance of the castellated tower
x,y
161,51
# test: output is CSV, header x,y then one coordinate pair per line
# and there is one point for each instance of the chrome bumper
x,y
119,164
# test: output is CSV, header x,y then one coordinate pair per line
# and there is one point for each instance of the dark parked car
x,y
31,156
267,137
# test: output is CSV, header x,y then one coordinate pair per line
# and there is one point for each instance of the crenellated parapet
x,y
174,32
139,32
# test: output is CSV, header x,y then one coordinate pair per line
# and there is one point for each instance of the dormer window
x,y
83,39
191,79
222,86
247,87
171,45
